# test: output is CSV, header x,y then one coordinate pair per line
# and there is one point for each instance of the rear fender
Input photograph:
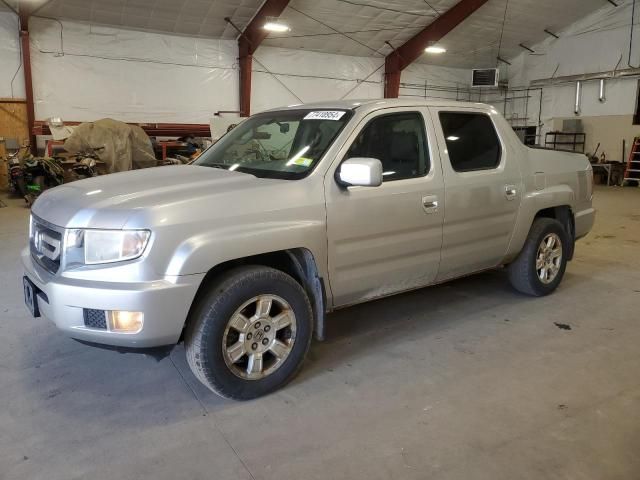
x,y
532,203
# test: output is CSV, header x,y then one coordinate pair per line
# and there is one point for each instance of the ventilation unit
x,y
484,77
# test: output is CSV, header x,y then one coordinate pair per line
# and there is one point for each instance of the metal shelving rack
x,y
570,141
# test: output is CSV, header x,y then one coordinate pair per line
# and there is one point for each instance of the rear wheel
x,y
539,268
249,335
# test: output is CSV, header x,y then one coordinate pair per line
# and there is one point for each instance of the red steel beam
x,y
408,53
28,81
152,129
249,42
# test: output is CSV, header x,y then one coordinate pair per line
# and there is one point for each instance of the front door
x,y
483,190
386,239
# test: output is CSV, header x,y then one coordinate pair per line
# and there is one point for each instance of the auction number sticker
x,y
325,115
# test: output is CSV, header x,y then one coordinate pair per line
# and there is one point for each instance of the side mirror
x,y
360,172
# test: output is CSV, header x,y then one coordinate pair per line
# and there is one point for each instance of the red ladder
x,y
632,172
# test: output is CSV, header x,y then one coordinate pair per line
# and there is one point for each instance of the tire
x,y
211,334
523,274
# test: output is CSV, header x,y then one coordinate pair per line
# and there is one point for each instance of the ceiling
x,y
350,27
474,43
8,5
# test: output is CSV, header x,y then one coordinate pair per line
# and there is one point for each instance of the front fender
x,y
203,251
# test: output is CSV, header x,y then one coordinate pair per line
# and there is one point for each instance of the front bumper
x,y
165,303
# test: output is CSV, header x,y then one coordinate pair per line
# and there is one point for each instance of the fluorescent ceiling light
x,y
435,49
453,138
276,27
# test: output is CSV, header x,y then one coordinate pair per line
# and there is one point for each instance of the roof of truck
x,y
376,104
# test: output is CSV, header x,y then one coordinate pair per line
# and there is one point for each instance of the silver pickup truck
x,y
296,212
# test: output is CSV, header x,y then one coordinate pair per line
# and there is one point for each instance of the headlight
x,y
106,246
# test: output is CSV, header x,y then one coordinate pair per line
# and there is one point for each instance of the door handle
x,y
510,192
430,204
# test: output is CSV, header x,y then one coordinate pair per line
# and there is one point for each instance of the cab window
x,y
399,141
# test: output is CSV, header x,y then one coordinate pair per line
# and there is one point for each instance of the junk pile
x,y
118,145
104,146
29,176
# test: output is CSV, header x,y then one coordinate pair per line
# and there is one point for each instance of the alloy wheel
x,y
259,337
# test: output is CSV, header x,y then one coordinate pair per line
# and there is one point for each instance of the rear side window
x,y
472,141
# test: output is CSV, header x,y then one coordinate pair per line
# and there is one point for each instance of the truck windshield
x,y
286,144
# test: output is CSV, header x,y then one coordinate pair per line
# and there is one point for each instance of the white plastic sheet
x,y
10,57
283,77
146,77
597,43
435,82
298,75
129,75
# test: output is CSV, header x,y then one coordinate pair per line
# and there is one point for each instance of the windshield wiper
x,y
241,169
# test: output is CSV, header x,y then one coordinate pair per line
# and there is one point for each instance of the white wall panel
x,y
597,43
133,76
298,75
436,82
84,72
10,57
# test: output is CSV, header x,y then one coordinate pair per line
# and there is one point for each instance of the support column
x,y
248,42
412,49
246,65
392,75
28,82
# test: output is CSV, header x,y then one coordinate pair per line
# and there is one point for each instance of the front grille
x,y
95,318
46,244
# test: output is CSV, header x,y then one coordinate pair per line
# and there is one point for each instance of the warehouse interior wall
x,y
11,76
83,72
284,77
437,83
13,114
594,44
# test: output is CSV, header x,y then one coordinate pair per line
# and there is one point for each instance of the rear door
x,y
386,239
482,190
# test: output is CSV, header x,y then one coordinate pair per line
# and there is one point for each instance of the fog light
x,y
125,322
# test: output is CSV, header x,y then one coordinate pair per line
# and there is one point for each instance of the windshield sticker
x,y
325,115
303,161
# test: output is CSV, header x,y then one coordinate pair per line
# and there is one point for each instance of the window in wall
x,y
399,141
472,141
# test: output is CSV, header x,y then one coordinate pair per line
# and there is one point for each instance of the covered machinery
x,y
119,145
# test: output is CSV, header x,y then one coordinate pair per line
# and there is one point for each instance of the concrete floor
x,y
468,380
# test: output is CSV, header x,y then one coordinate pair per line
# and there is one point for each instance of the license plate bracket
x,y
31,297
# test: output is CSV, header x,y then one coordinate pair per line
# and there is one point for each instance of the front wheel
x,y
20,187
250,333
539,268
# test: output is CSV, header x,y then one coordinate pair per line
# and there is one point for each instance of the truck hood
x,y
109,201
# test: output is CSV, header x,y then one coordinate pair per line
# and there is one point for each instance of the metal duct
x,y
602,94
586,77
